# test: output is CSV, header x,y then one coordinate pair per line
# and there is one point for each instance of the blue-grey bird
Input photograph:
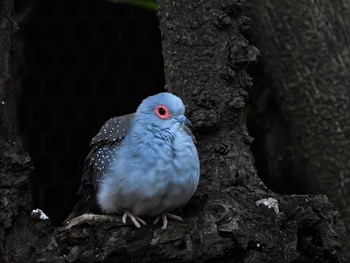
x,y
141,164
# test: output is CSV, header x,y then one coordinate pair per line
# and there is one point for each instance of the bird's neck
x,y
147,133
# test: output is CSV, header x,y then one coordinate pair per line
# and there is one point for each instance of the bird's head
x,y
163,110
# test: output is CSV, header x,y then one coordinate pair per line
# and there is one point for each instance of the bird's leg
x,y
165,217
134,219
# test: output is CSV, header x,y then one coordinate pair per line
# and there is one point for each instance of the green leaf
x,y
147,4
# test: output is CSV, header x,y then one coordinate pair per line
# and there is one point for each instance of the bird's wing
x,y
102,152
102,148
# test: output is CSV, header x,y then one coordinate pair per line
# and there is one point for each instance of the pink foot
x,y
165,219
134,219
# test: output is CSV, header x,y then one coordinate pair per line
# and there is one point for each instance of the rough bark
x,y
230,218
305,53
205,61
15,200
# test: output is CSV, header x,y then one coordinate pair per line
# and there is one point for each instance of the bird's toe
x,y
165,217
175,217
134,219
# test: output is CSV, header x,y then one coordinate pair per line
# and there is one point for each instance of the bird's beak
x,y
183,119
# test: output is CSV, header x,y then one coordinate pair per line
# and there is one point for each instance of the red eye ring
x,y
162,112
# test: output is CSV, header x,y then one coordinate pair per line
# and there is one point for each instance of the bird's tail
x,y
87,203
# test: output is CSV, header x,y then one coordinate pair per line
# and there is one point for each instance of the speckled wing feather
x,y
102,152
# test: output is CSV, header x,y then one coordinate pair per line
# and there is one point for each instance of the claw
x,y
134,219
156,220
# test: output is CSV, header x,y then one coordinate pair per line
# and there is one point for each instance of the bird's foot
x,y
134,219
89,219
165,217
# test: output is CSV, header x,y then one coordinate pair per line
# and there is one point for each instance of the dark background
x,y
78,63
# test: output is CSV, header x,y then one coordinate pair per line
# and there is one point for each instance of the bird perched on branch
x,y
141,164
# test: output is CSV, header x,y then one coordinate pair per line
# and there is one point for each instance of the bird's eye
x,y
162,112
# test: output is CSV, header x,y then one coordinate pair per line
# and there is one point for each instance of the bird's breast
x,y
153,176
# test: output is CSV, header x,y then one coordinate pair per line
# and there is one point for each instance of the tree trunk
x,y
205,62
15,199
305,49
233,217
